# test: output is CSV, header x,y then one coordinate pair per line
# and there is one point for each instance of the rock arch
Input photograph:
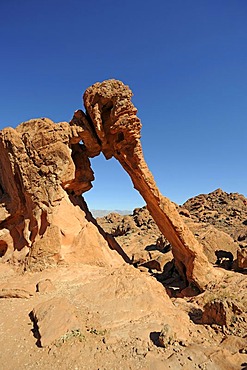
x,y
44,169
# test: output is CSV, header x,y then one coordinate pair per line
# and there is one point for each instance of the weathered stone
x,y
44,169
220,312
233,344
128,295
109,106
167,336
83,131
242,258
43,217
225,211
45,286
16,290
55,318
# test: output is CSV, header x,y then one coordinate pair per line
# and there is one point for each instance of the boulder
x,y
45,286
54,318
242,258
220,312
213,240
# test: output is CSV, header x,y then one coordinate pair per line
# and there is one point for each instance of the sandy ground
x,y
121,314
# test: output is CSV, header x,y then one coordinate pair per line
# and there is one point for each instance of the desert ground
x,y
132,316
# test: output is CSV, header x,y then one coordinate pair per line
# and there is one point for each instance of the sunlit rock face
x,y
43,221
109,107
45,168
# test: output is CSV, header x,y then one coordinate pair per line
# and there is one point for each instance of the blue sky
x,y
186,62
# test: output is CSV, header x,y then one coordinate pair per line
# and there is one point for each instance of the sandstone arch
x,y
117,127
45,167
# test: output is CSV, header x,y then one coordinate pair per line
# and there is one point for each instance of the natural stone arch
x,y
117,128
44,169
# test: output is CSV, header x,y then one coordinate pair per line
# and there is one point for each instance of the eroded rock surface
x,y
54,319
101,312
109,106
213,224
225,211
43,219
118,319
222,213
220,312
44,169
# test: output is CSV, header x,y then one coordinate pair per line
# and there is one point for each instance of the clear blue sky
x,y
186,62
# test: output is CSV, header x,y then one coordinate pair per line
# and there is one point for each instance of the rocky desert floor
x,y
134,316
119,319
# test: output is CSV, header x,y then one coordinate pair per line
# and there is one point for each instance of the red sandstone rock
x,y
54,319
213,239
43,221
45,286
242,258
225,211
220,312
117,127
44,170
16,289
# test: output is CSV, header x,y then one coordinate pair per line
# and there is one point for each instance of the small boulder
x,y
45,286
242,258
167,336
54,318
220,312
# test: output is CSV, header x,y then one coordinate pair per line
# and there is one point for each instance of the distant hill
x,y
104,212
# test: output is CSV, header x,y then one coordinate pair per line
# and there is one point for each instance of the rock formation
x,y
41,223
117,127
225,211
56,313
214,224
44,169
